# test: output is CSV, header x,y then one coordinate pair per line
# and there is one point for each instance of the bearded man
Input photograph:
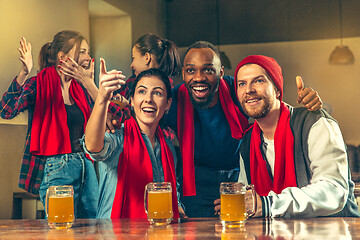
x,y
296,159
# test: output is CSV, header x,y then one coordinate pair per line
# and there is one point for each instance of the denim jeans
x,y
76,170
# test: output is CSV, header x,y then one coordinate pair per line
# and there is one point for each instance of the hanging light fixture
x,y
341,54
225,61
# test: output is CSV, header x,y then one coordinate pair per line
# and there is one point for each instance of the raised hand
x,y
25,56
109,81
26,59
307,96
72,69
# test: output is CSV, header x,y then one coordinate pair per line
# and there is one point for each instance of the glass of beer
x,y
59,206
119,100
158,203
233,211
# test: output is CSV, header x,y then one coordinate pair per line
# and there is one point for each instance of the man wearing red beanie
x,y
296,159
209,124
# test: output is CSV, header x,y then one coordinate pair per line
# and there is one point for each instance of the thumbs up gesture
x,y
307,96
109,81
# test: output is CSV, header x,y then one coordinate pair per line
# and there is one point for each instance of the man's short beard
x,y
263,111
203,104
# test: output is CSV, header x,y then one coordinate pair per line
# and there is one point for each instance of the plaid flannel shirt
x,y
16,100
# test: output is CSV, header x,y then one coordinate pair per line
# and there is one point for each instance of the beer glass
x,y
233,212
158,203
59,206
118,99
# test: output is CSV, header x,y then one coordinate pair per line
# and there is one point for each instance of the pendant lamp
x,y
341,55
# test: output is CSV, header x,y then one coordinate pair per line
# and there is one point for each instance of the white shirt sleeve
x,y
328,189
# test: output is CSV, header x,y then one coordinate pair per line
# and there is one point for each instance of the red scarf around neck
x,y
49,131
284,172
185,125
135,171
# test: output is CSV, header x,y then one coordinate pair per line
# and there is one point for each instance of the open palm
x,y
25,56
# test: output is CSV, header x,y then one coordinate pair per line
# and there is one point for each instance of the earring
x,y
132,108
166,111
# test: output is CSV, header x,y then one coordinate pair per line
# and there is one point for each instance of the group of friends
x,y
295,157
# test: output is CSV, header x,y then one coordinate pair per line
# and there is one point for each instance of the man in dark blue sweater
x,y
203,115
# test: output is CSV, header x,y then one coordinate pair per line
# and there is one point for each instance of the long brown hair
x,y
164,50
63,41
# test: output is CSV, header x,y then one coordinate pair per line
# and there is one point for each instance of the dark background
x,y
256,21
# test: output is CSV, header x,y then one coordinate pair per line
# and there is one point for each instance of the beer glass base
x,y
160,222
61,225
233,224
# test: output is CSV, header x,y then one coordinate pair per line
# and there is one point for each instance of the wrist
x,y
102,100
259,209
21,78
23,73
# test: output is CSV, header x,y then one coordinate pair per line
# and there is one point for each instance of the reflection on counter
x,y
160,233
191,229
61,234
303,229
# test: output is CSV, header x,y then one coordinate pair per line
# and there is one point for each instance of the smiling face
x,y
84,55
202,72
139,62
255,90
150,101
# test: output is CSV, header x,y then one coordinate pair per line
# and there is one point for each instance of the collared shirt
x,y
108,159
18,99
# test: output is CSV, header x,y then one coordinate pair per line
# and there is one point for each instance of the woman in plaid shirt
x,y
58,109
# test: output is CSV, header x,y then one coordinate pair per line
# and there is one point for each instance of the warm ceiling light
x,y
341,54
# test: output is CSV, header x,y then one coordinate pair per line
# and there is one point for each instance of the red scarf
x,y
50,132
135,171
185,125
284,172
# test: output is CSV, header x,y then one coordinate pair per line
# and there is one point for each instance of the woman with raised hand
x,y
58,109
137,153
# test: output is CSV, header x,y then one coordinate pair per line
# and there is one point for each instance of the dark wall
x,y
254,21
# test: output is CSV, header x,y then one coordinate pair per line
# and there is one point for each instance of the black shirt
x,y
75,122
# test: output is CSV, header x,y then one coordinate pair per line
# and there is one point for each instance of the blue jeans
x,y
76,170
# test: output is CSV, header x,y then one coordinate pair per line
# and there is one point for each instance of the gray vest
x,y
301,121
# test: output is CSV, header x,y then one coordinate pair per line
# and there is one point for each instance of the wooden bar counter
x,y
210,228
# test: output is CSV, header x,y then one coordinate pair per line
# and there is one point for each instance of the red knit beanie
x,y
270,66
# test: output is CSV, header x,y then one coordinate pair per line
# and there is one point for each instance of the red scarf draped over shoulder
x,y
135,172
50,132
185,125
284,172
